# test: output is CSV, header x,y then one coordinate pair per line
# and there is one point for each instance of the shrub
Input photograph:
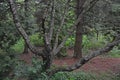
x,y
115,52
35,40
6,64
70,42
19,46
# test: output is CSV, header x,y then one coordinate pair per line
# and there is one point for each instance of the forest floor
x,y
96,65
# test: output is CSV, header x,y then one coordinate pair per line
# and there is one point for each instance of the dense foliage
x,y
101,25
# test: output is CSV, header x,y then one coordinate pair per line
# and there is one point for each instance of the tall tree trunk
x,y
79,27
26,23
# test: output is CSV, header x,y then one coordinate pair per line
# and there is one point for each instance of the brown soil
x,y
97,65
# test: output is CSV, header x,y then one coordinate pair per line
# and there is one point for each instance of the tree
x,y
47,52
27,24
79,30
104,18
6,33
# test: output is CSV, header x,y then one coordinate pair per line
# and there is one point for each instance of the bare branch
x,y
52,20
86,7
60,27
60,46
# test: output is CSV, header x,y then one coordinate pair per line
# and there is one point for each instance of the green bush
x,y
88,42
83,76
19,46
70,42
117,77
7,61
94,42
115,52
30,72
35,72
73,76
35,40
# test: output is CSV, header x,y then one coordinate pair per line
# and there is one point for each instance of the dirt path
x,y
97,65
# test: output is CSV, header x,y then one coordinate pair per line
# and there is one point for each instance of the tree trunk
x,y
79,27
26,50
78,42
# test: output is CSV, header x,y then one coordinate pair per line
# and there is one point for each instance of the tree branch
x,y
52,20
55,50
85,59
21,30
86,6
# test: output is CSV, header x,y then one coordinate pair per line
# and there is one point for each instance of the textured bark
x,y
57,47
47,58
52,21
45,53
79,28
86,6
21,30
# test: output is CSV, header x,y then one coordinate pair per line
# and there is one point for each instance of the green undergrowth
x,y
90,43
115,53
35,40
84,76
23,71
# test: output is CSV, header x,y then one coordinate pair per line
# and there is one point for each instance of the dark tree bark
x,y
81,9
79,29
26,49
